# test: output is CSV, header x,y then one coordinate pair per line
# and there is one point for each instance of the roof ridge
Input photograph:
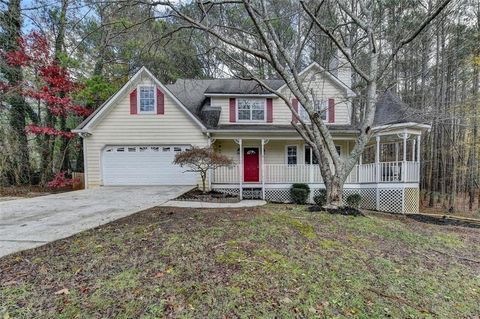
x,y
237,79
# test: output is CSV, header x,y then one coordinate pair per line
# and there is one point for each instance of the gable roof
x,y
328,75
95,116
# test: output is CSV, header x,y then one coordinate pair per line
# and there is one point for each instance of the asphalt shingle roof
x,y
238,86
391,110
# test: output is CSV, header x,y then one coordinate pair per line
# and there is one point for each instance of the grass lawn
x,y
276,261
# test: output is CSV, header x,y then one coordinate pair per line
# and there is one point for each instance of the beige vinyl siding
x,y
119,127
322,88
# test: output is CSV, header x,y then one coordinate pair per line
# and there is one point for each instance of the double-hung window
x,y
320,107
251,110
291,155
146,99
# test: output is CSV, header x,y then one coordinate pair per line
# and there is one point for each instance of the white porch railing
x,y
226,175
385,172
300,173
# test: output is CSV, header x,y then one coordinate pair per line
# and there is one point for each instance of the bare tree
x,y
261,37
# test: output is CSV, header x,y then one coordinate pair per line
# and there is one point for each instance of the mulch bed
x,y
197,195
445,220
346,211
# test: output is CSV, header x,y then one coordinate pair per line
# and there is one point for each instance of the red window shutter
x,y
331,110
233,116
160,102
295,107
133,102
269,110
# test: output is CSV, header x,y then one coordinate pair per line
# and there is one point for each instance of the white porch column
x,y
404,173
377,161
263,168
209,171
240,167
418,156
360,162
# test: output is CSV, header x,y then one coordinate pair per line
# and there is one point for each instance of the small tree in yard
x,y
201,160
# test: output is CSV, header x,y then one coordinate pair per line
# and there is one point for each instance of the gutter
x,y
402,125
241,95
274,131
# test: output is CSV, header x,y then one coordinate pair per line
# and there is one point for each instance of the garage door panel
x,y
144,165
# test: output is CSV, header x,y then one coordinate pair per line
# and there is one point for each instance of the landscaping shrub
x,y
302,186
300,193
321,198
354,200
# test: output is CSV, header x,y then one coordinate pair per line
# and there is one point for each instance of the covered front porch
x,y
386,175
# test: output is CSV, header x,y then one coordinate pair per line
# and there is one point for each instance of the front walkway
x,y
28,223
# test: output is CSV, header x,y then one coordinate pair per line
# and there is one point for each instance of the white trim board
x,y
103,109
155,99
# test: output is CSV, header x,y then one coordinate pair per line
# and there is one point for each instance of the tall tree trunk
x,y
63,155
20,159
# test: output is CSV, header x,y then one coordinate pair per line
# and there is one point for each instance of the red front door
x,y
251,167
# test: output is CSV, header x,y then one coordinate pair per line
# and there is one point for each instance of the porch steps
x,y
252,193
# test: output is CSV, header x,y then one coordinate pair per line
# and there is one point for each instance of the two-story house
x,y
133,137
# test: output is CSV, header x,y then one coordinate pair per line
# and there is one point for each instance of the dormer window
x,y
321,107
252,110
146,99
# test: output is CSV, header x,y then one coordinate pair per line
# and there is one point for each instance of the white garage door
x,y
144,165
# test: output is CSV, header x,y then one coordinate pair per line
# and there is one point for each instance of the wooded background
x,y
94,46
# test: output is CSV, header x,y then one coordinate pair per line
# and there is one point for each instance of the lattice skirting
x,y
389,199
280,195
412,200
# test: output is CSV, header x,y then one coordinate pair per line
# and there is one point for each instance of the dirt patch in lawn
x,y
271,261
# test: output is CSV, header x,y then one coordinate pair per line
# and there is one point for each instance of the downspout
x,y
209,143
84,135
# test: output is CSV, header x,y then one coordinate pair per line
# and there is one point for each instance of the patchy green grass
x,y
276,261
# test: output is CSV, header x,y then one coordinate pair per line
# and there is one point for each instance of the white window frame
x,y
311,154
252,121
286,153
154,99
304,115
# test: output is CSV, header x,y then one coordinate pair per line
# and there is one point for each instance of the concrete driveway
x,y
32,222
